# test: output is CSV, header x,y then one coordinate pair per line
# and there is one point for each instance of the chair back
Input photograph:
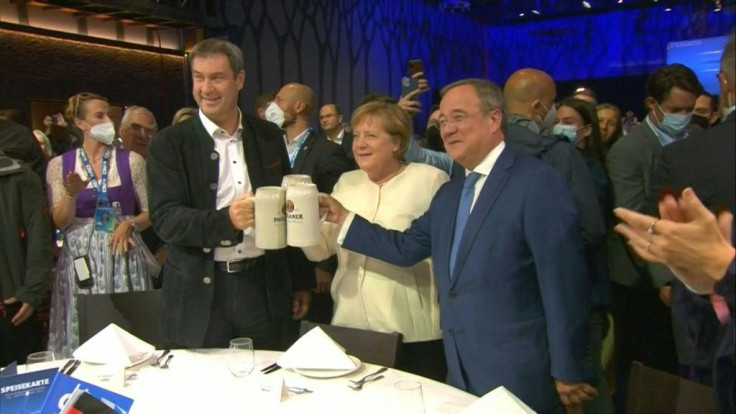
x,y
657,392
136,312
373,347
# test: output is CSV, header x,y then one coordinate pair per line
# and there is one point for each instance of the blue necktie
x,y
463,212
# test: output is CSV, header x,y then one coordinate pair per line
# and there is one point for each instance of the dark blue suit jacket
x,y
516,312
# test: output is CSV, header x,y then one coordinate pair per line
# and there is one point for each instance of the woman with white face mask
x,y
97,195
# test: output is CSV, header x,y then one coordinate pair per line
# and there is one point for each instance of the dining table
x,y
199,381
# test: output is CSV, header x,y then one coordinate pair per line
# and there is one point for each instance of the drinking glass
x,y
241,358
37,358
410,397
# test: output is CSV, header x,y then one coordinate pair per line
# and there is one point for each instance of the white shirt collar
x,y
485,166
215,131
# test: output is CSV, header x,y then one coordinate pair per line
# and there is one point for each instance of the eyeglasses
x,y
142,129
456,118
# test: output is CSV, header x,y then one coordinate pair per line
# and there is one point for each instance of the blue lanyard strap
x,y
292,157
99,185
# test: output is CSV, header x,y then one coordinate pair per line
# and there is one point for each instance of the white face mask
x,y
104,132
275,114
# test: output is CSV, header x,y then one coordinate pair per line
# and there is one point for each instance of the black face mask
x,y
700,121
434,139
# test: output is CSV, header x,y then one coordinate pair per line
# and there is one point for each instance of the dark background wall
x,y
40,67
347,48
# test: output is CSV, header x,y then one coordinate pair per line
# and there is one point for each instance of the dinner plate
x,y
329,373
136,361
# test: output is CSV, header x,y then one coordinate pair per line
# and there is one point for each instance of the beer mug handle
x,y
248,231
323,216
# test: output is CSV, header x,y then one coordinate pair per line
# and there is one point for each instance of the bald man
x,y
310,154
530,95
316,156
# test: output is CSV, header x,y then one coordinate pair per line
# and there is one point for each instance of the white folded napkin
x,y
500,400
316,350
114,346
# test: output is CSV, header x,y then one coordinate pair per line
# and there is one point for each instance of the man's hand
x,y
333,211
24,313
242,212
300,304
324,280
573,394
665,295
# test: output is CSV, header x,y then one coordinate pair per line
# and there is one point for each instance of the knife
x,y
272,369
67,365
73,367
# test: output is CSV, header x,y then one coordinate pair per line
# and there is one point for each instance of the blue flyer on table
x,y
64,386
25,393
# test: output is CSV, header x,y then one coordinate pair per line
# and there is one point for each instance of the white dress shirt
x,y
232,183
295,145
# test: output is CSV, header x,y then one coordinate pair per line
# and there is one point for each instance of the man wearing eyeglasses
x,y
330,120
137,128
507,257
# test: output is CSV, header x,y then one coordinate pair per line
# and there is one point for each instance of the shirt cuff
x,y
345,227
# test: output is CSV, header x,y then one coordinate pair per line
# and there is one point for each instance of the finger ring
x,y
650,230
649,245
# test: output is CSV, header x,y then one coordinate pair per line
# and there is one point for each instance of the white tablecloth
x,y
199,381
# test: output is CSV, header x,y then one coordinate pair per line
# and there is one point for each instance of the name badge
x,y
105,218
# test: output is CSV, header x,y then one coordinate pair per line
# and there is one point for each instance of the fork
x,y
358,387
161,358
165,365
369,376
299,390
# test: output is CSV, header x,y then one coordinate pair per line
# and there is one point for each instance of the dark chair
x,y
136,312
369,346
657,392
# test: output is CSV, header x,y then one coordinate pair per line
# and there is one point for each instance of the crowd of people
x,y
507,245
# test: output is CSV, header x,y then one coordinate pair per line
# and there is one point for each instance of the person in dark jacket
x,y
25,259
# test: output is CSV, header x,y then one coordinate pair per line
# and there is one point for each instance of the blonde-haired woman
x,y
97,195
368,293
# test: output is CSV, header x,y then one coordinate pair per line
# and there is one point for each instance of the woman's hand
x,y
73,184
122,239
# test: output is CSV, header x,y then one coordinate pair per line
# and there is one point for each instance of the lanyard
x,y
99,185
292,156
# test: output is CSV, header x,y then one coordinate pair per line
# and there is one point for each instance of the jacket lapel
x,y
301,157
204,147
253,155
492,188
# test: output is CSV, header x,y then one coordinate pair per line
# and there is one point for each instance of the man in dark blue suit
x,y
508,258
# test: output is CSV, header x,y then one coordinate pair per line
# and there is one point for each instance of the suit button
x,y
206,250
453,294
226,243
207,280
213,186
214,156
